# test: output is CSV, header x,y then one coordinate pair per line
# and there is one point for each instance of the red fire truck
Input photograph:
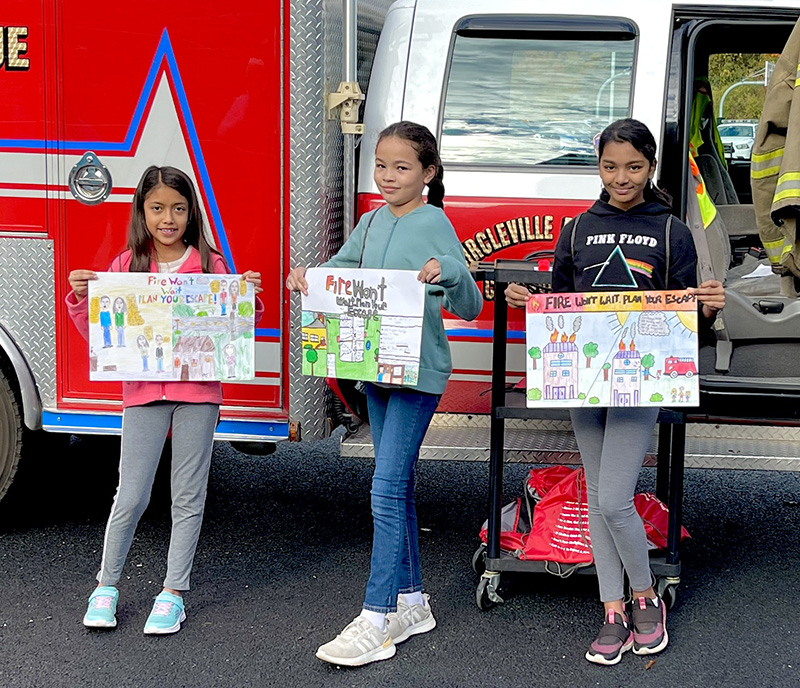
x,y
242,96
259,103
674,366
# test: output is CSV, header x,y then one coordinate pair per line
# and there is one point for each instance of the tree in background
x,y
534,352
726,69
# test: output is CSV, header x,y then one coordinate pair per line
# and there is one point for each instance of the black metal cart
x,y
489,560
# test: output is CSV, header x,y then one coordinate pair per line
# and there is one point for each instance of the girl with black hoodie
x,y
626,240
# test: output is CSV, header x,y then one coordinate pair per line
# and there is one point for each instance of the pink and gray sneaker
x,y
614,638
649,626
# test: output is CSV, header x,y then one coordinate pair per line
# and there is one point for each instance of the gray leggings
x,y
144,430
613,443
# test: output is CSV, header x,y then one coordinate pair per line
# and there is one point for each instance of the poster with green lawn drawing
x,y
612,349
363,324
171,327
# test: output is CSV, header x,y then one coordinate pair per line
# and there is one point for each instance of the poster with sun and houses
x,y
634,348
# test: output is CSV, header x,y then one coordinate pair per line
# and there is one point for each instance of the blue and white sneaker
x,y
167,615
102,609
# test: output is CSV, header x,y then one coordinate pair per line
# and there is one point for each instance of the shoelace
x,y
163,608
102,602
356,630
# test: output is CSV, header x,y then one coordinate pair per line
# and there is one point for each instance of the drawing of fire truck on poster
x,y
612,349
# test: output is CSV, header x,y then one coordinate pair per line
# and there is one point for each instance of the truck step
x,y
466,438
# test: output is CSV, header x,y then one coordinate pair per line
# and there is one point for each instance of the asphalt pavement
x,y
283,559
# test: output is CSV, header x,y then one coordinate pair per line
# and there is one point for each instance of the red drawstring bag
x,y
555,499
655,516
514,528
542,480
560,524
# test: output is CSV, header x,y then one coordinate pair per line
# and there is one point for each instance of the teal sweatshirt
x,y
407,243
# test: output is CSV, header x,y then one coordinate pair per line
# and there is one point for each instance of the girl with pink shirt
x,y
165,234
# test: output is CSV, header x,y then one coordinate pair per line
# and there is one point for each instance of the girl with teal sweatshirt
x,y
405,234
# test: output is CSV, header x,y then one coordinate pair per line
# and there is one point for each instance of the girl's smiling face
x,y
399,174
166,213
625,173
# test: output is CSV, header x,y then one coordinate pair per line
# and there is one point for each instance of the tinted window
x,y
737,130
520,101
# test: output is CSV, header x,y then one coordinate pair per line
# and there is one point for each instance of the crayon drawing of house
x,y
626,379
560,367
190,357
315,333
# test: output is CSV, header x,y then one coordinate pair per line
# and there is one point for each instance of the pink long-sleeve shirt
x,y
137,393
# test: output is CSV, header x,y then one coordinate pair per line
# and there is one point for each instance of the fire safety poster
x,y
636,348
171,327
363,324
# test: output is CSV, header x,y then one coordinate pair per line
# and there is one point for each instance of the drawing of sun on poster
x,y
363,324
171,327
612,349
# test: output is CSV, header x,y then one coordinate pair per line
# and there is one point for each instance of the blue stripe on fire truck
x,y
163,52
82,423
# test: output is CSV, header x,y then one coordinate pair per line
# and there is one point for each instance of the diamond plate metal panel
x,y
315,170
27,307
553,442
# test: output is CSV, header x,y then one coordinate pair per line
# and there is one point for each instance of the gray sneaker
x,y
359,643
410,620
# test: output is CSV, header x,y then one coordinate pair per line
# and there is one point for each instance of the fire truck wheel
x,y
11,429
689,374
673,374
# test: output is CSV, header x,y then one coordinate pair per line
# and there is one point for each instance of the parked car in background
x,y
737,138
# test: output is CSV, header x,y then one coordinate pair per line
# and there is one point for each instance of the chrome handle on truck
x,y
90,180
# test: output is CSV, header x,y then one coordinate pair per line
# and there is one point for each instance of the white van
x,y
515,91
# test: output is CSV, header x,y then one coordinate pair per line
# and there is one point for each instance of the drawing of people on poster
x,y
105,320
120,309
159,353
229,352
178,320
223,296
234,292
144,351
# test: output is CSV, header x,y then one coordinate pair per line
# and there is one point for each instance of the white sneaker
x,y
359,643
410,620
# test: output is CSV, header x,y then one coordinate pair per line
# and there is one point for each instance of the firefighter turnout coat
x,y
775,171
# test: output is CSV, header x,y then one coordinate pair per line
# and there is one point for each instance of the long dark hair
x,y
424,143
140,241
638,135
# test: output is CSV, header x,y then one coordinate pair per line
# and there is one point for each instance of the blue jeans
x,y
399,418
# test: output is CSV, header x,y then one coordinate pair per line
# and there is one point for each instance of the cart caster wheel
x,y
486,595
479,560
668,592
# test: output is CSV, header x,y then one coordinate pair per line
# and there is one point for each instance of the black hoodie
x,y
616,249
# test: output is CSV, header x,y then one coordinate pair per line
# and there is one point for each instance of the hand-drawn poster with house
x,y
171,327
362,324
612,349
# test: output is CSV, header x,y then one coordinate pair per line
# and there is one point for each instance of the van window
x,y
533,101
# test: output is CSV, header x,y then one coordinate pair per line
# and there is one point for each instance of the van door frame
x,y
687,24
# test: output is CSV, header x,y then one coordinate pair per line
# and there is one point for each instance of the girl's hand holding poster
x,y
363,324
171,327
635,348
